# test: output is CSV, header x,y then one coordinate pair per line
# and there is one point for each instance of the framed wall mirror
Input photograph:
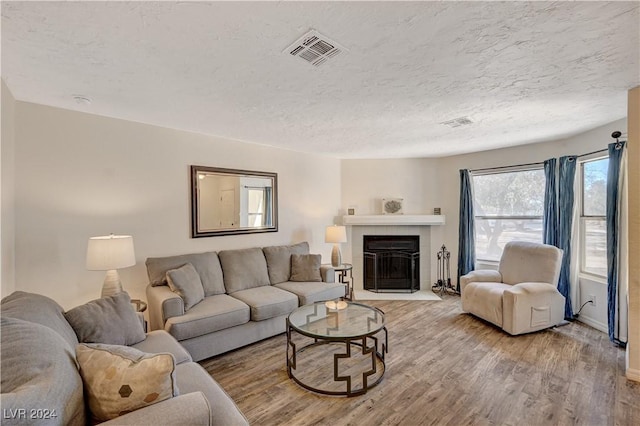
x,y
229,201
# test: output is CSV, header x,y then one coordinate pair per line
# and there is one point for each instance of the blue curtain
x,y
567,174
466,233
613,178
268,219
550,214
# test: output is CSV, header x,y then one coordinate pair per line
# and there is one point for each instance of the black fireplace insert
x,y
391,263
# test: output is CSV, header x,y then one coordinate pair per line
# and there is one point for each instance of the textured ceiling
x,y
522,71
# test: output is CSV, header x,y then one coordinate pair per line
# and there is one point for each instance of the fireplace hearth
x,y
391,263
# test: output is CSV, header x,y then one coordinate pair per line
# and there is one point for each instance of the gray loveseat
x,y
247,296
41,382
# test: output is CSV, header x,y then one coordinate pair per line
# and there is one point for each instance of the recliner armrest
x,y
188,409
531,306
163,304
480,275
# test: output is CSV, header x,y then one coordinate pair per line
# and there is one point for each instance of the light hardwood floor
x,y
446,367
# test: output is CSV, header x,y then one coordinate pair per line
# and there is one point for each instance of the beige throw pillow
x,y
121,379
305,267
186,282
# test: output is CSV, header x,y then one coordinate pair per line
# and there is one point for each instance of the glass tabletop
x,y
337,319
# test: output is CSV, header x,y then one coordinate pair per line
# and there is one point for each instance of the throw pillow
x,y
305,267
207,265
121,379
110,320
186,282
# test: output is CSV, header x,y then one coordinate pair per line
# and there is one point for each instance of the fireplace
x,y
391,263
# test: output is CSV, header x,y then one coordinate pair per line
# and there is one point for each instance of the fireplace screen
x,y
392,263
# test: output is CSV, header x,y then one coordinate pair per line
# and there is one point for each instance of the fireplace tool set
x,y
443,284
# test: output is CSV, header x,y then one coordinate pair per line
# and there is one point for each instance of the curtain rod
x,y
506,167
616,135
593,152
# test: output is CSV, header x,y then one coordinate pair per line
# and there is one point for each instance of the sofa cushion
x,y
278,263
279,260
121,379
186,282
159,341
193,378
305,267
39,371
110,320
484,299
39,309
267,302
207,265
244,269
311,292
212,314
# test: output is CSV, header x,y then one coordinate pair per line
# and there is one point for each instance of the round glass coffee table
x,y
333,347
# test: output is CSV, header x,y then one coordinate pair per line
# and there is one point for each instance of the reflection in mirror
x,y
228,201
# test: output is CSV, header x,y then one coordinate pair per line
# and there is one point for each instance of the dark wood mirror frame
x,y
196,202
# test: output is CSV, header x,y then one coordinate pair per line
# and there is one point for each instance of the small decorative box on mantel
x,y
392,205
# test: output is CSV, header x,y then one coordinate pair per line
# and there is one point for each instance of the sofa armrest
x,y
189,409
481,275
531,306
327,273
163,304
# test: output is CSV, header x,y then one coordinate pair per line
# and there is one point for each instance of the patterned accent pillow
x,y
121,379
305,267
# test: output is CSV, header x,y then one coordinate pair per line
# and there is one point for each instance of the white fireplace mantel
x,y
390,219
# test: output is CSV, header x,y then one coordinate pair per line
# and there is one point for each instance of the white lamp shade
x,y
110,252
335,234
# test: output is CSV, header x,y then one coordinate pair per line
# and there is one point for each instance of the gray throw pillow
x,y
207,265
305,267
109,320
186,282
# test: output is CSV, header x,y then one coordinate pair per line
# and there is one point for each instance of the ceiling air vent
x,y
458,122
314,48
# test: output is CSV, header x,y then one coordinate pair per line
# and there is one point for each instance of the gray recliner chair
x,y
522,295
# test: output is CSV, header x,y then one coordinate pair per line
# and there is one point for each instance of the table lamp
x,y
110,253
336,234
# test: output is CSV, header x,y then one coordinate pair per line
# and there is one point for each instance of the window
x,y
593,227
507,206
256,206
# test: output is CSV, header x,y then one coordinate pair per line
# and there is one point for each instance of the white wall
x,y
428,183
7,225
366,182
79,175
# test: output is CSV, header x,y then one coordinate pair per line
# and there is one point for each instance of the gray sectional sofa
x,y
42,383
247,296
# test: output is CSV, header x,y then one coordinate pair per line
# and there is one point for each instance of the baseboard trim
x,y
593,323
633,374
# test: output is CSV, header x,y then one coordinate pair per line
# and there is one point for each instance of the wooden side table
x,y
345,276
140,305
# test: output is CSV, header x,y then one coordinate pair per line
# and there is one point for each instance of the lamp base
x,y
112,284
336,256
